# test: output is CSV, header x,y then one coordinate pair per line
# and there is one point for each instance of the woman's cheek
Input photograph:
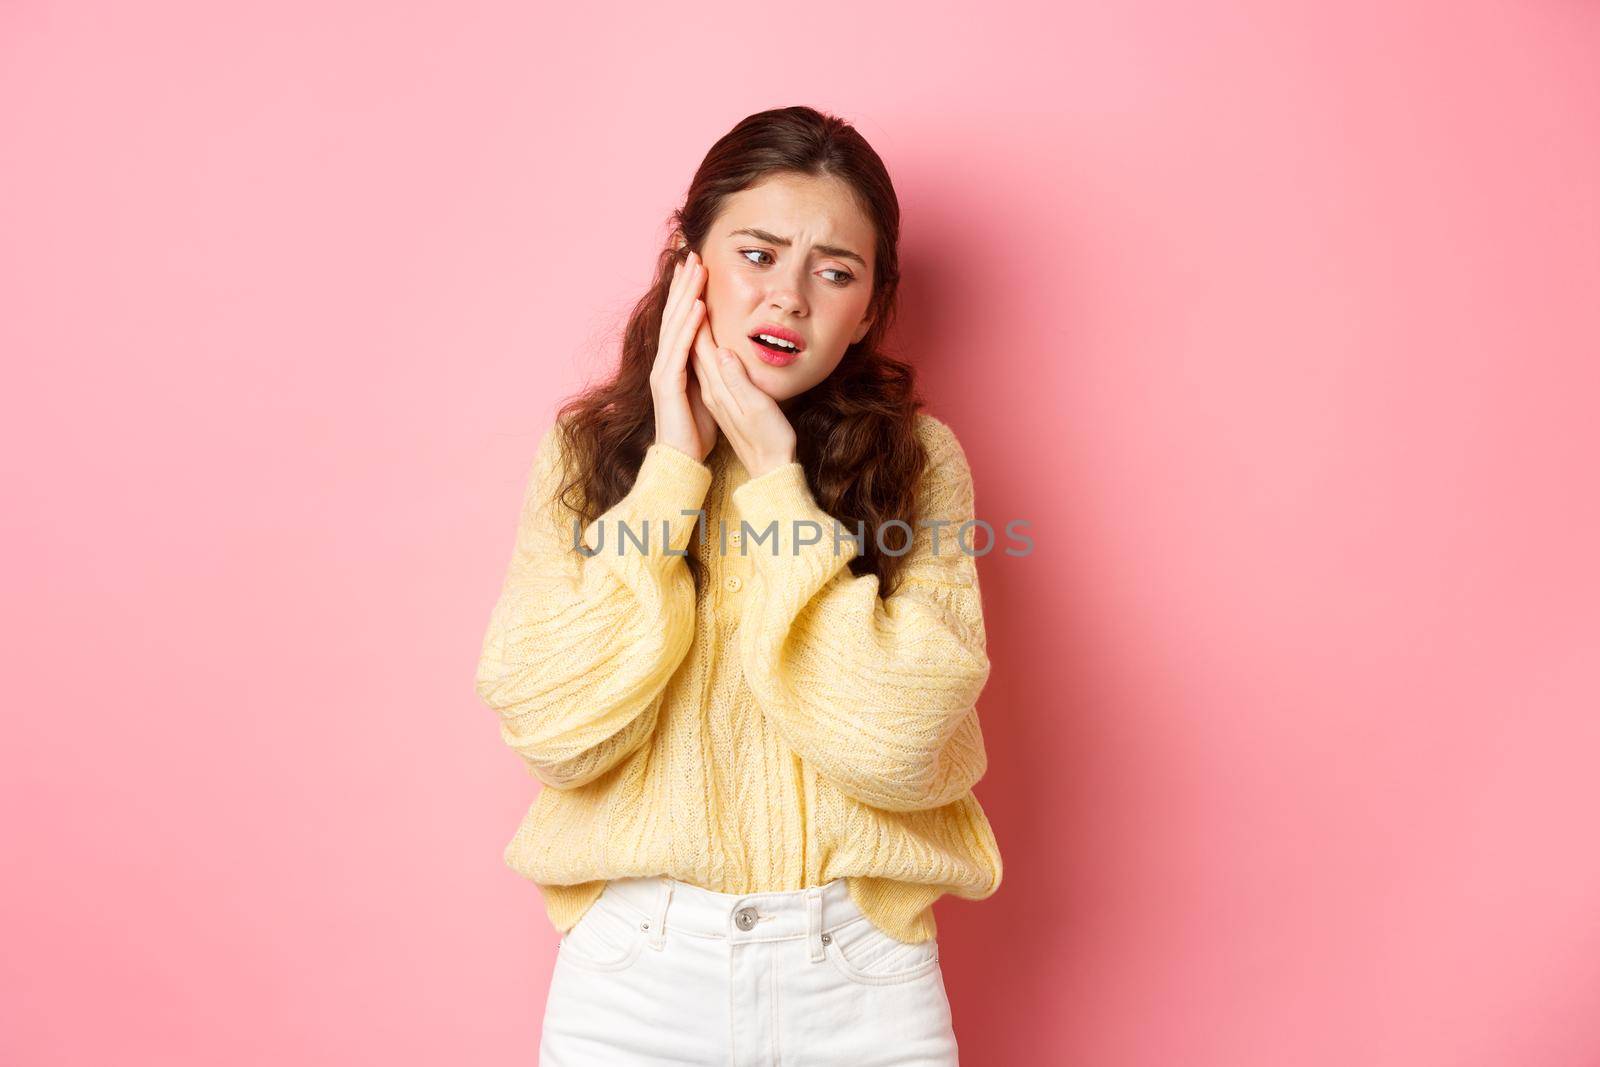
x,y
720,330
722,297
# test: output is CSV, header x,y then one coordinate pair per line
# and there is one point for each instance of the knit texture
x,y
785,727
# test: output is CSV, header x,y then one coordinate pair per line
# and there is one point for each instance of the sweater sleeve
x,y
878,694
580,645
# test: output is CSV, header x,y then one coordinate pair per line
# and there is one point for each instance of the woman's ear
x,y
861,331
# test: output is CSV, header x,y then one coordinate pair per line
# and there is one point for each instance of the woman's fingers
x,y
732,374
680,347
682,312
712,387
682,277
700,378
697,398
679,420
702,340
703,415
693,306
674,309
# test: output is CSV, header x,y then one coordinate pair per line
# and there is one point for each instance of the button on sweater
x,y
783,726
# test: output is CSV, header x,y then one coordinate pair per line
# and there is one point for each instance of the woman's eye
x,y
843,281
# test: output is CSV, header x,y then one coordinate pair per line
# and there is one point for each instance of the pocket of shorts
x,y
863,953
608,937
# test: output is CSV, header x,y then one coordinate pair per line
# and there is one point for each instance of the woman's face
x,y
793,253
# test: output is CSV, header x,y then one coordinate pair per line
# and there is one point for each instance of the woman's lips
x,y
771,356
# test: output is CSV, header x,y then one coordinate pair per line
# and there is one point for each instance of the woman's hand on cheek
x,y
751,420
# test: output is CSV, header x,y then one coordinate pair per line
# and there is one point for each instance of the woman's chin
x,y
777,382
780,389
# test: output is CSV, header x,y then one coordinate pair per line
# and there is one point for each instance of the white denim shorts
x,y
661,971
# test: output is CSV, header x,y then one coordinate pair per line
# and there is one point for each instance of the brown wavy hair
x,y
855,431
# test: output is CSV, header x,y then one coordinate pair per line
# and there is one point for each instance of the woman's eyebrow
x,y
772,238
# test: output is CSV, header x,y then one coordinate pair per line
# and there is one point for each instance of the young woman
x,y
757,731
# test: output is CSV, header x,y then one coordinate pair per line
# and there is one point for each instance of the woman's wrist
x,y
767,466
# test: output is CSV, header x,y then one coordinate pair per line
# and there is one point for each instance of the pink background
x,y
1276,320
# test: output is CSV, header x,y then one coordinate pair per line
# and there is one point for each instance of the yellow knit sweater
x,y
785,727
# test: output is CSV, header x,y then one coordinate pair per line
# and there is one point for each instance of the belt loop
x,y
814,923
658,932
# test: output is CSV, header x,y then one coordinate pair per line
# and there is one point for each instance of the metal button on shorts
x,y
745,918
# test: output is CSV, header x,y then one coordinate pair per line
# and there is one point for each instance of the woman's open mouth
x,y
777,347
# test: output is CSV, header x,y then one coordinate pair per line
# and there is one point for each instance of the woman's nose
x,y
787,298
